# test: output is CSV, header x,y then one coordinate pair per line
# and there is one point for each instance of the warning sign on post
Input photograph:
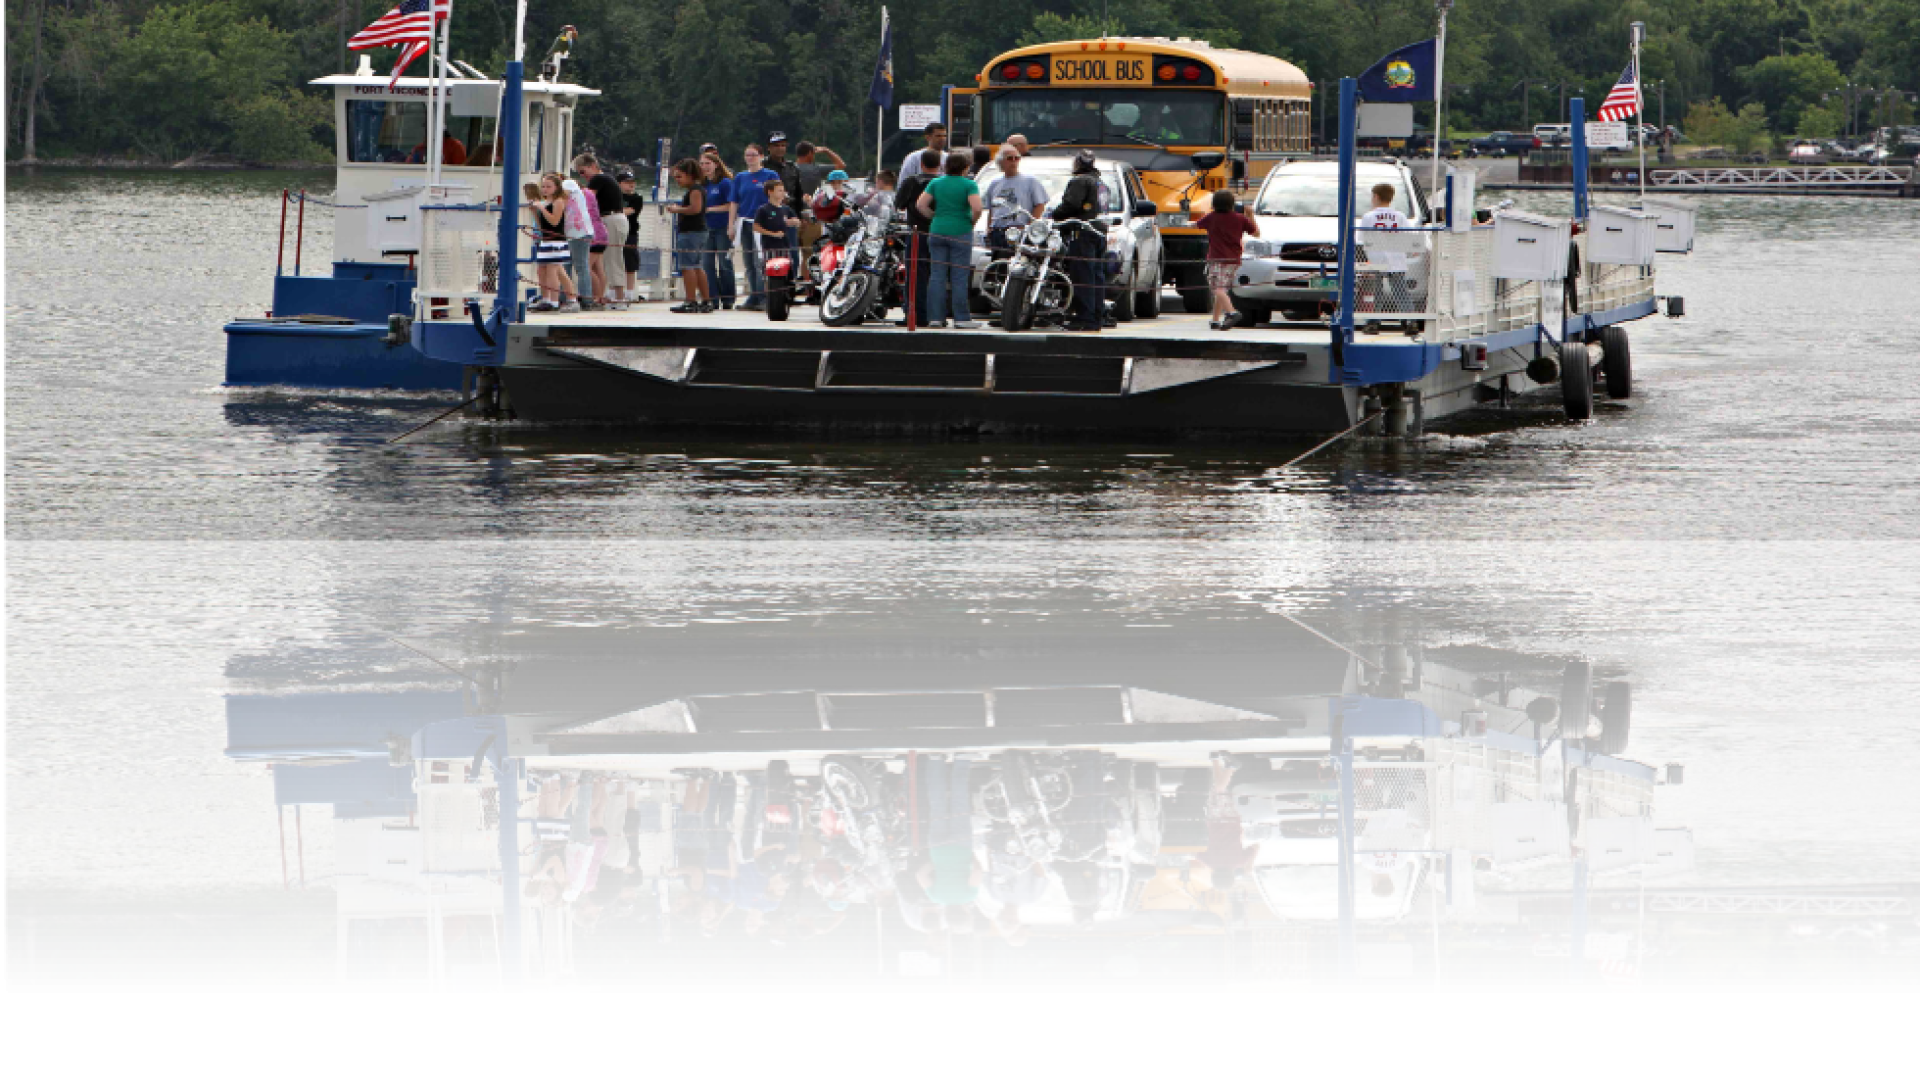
x,y
915,117
1607,135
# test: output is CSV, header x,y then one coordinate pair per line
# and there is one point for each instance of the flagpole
x,y
880,113
1639,107
436,100
1439,101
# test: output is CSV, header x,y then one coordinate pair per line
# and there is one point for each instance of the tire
x,y
1195,296
1576,381
1616,718
1146,303
1123,310
992,280
1256,314
1616,363
850,778
846,303
1016,310
1576,698
779,302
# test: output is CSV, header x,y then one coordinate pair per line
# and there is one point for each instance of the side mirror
x,y
1239,170
1144,208
1207,160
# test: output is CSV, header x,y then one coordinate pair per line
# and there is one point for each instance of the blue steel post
x,y
1343,324
1578,118
507,306
1343,761
509,787
1577,956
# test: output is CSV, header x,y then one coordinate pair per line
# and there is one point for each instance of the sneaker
x,y
1232,320
569,307
968,325
688,308
543,305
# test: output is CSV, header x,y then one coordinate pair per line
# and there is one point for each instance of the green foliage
x,y
165,79
1821,121
1711,123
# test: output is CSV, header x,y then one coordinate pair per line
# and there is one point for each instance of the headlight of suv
x,y
1255,247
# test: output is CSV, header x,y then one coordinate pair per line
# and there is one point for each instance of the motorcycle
x,y
870,261
1030,286
857,816
1025,798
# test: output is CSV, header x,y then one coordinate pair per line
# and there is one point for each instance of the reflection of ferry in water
x,y
1234,777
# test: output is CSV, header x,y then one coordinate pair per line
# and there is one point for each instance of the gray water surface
x,y
1737,543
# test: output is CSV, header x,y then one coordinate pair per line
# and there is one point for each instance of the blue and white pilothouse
x,y
341,322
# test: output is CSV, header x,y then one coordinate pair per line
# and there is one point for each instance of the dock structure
x,y
1430,321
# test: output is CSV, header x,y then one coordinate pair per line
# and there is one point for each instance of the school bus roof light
x,y
1166,73
1035,71
1010,72
1190,73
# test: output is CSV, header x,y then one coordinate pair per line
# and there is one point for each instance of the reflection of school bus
x,y
1152,102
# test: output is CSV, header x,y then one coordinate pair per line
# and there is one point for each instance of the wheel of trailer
x,y
1195,296
779,300
1146,303
1123,298
1616,362
846,302
1576,381
1616,717
1576,698
1016,307
848,777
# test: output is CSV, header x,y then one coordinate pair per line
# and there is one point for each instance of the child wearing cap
x,y
831,200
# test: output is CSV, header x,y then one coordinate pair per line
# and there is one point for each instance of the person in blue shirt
x,y
749,195
720,216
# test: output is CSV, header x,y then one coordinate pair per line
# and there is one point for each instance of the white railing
x,y
459,261
1783,176
1468,302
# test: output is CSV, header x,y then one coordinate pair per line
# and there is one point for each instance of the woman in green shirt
x,y
952,202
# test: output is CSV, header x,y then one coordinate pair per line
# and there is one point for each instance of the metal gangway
x,y
1786,178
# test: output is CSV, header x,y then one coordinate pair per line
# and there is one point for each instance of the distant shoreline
x,y
210,164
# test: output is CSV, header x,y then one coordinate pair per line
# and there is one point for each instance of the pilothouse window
x,y
395,133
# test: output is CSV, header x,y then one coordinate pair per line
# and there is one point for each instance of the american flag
x,y
409,26
1624,99
1619,977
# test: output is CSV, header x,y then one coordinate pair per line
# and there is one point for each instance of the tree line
x,y
168,80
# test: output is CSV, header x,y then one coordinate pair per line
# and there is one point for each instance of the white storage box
x,y
1620,237
1673,233
1528,247
394,218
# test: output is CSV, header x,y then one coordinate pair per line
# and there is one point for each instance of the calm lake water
x,y
1740,544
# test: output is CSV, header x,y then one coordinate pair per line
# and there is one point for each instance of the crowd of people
x,y
773,206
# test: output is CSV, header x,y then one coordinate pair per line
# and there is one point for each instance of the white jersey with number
x,y
1384,217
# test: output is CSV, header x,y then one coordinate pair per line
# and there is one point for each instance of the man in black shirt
x,y
907,197
1086,247
789,174
607,198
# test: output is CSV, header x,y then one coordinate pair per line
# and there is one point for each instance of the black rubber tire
x,y
1146,303
1016,310
1195,296
851,773
861,288
779,301
1576,699
1616,717
1616,364
1576,381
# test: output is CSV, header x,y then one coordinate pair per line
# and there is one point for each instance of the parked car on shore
x,y
1807,153
1501,144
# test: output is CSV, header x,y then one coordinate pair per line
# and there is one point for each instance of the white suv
x,y
1293,266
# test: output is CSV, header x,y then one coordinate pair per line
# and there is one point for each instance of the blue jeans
x,y
720,265
581,253
947,277
949,801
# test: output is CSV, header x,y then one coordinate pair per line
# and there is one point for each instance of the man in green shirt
x,y
953,875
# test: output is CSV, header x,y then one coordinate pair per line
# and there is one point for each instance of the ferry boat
x,y
1373,783
336,328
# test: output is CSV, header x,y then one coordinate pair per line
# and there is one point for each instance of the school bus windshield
x,y
1187,961
1095,116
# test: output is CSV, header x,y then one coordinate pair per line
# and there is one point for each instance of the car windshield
x,y
1316,194
1107,117
1187,961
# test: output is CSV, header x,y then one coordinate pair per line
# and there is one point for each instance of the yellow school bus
x,y
1172,932
1154,103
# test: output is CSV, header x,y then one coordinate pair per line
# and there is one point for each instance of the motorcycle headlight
x,y
871,249
1054,243
1013,235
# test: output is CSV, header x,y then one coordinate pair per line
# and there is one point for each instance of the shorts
x,y
1221,273
631,255
689,250
596,248
551,251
